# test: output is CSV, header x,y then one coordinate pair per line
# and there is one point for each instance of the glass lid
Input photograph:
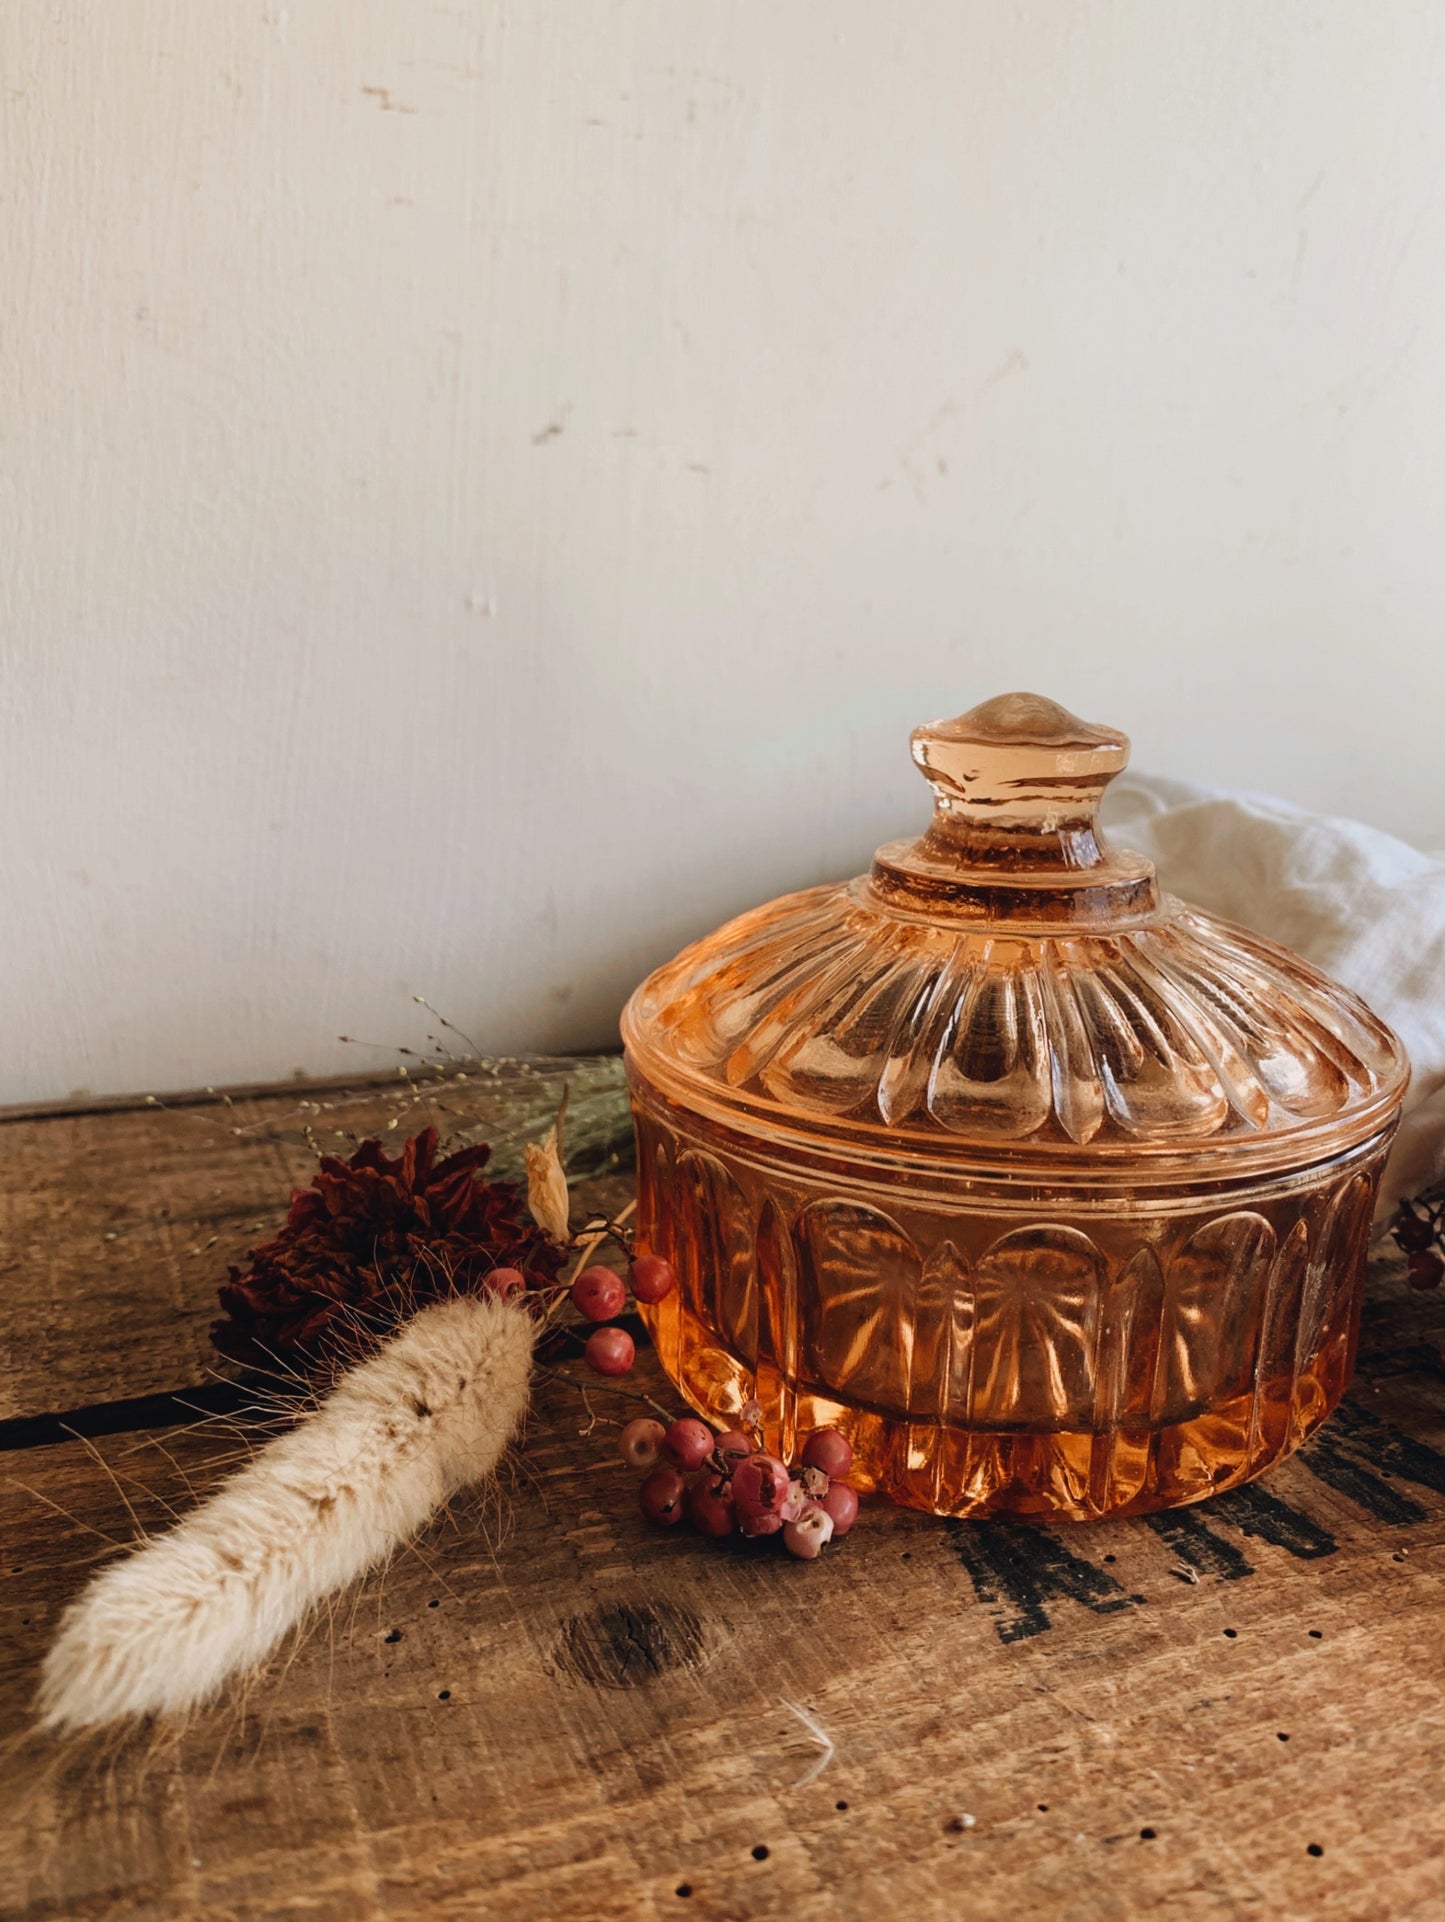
x,y
1009,988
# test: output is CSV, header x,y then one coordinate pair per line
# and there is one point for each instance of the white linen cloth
x,y
1367,909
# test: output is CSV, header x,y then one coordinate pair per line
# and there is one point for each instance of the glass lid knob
x,y
1017,784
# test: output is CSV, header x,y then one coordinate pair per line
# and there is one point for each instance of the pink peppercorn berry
x,y
652,1278
688,1443
598,1294
611,1351
507,1282
798,1501
735,1447
663,1496
640,1443
841,1502
827,1449
761,1491
710,1506
807,1536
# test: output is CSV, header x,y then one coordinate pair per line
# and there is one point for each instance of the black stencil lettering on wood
x,y
1382,1362
1254,1511
1333,1459
1184,1530
1023,1568
1386,1446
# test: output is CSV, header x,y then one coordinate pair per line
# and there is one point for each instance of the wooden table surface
x,y
546,1710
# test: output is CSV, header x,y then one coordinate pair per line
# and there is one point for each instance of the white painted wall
x,y
485,489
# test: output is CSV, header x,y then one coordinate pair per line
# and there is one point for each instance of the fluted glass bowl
x,y
1051,1192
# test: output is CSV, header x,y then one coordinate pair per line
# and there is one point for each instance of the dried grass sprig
x,y
394,1285
162,1631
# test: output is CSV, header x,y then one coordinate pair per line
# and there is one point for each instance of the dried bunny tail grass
x,y
397,1437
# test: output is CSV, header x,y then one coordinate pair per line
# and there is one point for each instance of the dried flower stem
x,y
592,1239
668,1415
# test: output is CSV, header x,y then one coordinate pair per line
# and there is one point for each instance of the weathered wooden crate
x,y
546,1710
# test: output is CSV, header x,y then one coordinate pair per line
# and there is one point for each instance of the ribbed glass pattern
x,y
824,1006
989,1360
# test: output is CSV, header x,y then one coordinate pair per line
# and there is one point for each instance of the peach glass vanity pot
x,y
1049,1190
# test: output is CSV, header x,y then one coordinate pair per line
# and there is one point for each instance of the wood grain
x,y
546,1710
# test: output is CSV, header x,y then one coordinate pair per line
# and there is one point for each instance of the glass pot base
x,y
997,1351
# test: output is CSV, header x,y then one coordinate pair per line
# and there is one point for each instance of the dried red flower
x,y
368,1243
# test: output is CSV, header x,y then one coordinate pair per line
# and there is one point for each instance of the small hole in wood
x,y
444,1695
1317,1634
1111,1558
1281,1737
840,1806
1042,1807
1230,1633
1314,1849
1398,1556
433,1604
760,1851
907,1555
392,1635
684,1889
1146,1835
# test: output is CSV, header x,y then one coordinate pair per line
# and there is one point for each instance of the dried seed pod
x,y
547,1187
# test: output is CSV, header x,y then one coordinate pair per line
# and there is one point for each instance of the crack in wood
x,y
178,1408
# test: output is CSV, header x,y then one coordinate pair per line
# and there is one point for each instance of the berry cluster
x,y
738,1487
724,1484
